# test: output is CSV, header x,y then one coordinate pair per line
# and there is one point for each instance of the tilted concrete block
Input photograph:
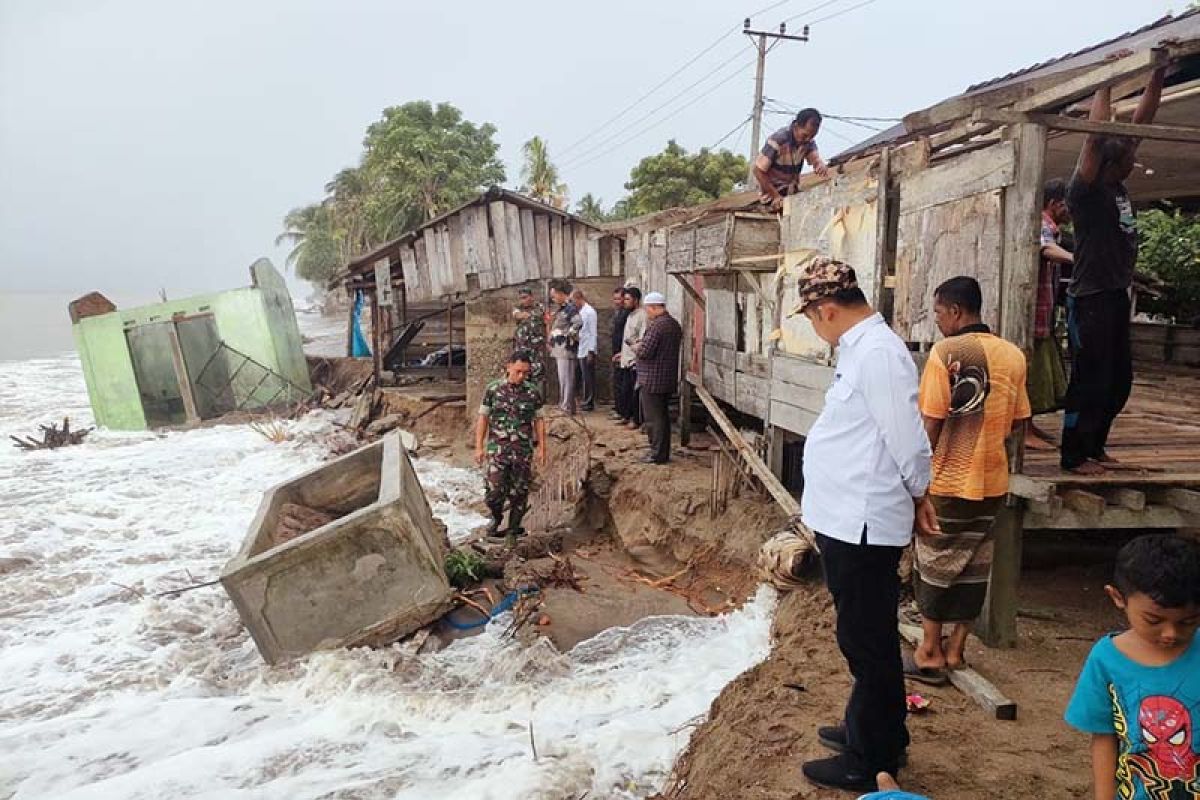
x,y
373,574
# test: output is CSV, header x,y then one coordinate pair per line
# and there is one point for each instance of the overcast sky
x,y
159,143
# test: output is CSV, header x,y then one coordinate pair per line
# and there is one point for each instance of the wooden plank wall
x,y
503,244
951,223
797,392
835,218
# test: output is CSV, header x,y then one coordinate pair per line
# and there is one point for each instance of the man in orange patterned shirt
x,y
972,397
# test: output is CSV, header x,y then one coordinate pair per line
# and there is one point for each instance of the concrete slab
x,y
375,573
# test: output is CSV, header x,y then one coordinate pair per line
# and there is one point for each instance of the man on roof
x,y
777,168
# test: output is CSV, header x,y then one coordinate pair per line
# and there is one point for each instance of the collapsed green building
x,y
194,359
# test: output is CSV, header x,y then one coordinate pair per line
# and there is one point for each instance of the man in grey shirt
x,y
565,325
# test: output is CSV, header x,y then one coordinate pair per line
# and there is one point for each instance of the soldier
x,y
511,424
531,335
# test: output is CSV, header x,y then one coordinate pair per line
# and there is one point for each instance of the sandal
x,y
930,676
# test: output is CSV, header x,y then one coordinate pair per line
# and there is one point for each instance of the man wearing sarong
x,y
1047,380
972,398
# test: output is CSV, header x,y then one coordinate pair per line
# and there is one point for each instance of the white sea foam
x,y
111,692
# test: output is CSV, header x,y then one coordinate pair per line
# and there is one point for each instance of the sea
x,y
110,689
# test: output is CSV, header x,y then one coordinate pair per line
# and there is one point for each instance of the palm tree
x,y
316,253
590,208
540,176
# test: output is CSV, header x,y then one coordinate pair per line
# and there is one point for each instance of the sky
x,y
158,143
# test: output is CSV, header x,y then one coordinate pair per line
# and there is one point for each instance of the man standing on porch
x,y
1098,303
866,472
972,397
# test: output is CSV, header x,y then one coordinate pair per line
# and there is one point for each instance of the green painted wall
x,y
258,321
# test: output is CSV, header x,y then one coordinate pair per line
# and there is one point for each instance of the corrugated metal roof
x,y
1182,26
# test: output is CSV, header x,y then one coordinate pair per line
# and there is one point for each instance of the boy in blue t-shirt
x,y
1139,692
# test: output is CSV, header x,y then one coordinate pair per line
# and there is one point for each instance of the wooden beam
x,y
970,682
186,391
1059,122
1022,224
1154,517
1105,74
691,290
782,496
962,106
997,624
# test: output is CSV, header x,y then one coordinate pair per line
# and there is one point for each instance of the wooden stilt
x,y
997,625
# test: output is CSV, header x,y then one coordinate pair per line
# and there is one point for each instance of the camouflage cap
x,y
525,291
823,278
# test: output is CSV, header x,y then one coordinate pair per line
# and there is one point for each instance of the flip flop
x,y
929,676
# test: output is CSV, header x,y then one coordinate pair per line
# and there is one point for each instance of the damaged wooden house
x,y
466,266
954,190
198,358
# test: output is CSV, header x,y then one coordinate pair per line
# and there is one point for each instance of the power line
x,y
740,126
807,11
656,87
703,52
673,114
843,11
616,134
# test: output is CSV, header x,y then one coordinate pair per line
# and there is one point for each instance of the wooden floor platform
x,y
1157,484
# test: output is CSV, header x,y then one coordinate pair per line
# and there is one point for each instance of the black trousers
x,y
625,390
865,585
658,424
1101,373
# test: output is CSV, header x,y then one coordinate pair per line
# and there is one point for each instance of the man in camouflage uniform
x,y
509,430
530,337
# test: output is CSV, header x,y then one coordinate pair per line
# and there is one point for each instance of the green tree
x,y
1169,249
676,178
591,208
540,176
316,250
427,160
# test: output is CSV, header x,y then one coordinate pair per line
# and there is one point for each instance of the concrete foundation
x,y
373,574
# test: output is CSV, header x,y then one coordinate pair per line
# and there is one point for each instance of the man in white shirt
x,y
587,350
866,475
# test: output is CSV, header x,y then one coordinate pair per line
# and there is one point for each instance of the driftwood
x,y
53,437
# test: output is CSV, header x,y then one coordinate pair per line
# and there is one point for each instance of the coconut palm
x,y
540,176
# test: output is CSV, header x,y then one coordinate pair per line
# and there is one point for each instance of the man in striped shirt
x,y
777,168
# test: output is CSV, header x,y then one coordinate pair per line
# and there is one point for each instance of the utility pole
x,y
761,44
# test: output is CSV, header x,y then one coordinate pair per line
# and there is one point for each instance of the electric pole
x,y
760,38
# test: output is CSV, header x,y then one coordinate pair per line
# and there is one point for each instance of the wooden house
x,y
466,266
954,190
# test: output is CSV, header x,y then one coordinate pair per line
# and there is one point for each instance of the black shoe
x,y
493,529
840,772
833,737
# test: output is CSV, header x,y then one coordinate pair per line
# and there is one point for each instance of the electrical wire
x,y
741,125
808,11
673,114
703,52
591,150
840,13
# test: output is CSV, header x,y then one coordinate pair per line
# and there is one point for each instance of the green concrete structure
x,y
188,360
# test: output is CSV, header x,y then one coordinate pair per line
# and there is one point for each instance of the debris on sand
x,y
53,437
